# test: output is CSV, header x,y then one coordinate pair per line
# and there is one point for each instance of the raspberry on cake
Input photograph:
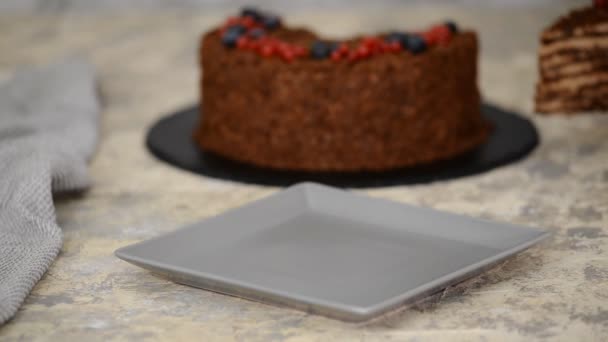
x,y
284,98
573,62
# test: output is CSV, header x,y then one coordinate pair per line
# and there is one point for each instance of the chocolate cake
x,y
573,62
283,98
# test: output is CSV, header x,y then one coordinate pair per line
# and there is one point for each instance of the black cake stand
x,y
513,137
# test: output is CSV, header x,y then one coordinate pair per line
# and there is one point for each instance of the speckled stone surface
x,y
146,61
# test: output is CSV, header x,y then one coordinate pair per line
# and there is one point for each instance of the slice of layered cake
x,y
573,62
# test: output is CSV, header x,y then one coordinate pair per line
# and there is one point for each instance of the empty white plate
x,y
329,251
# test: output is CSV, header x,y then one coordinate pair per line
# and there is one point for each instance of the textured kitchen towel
x,y
48,131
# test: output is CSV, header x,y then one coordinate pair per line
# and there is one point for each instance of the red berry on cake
x,y
394,46
233,21
343,50
370,42
267,50
288,55
248,22
335,56
242,42
363,51
253,45
300,51
438,35
443,34
353,56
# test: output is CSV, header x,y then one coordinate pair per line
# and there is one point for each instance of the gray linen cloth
x,y
48,131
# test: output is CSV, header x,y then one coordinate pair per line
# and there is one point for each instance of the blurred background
x,y
93,5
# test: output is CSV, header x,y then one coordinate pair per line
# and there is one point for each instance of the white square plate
x,y
331,252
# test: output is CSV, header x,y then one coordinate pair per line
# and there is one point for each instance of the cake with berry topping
x,y
573,62
283,98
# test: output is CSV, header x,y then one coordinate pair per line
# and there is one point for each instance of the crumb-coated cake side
x,y
392,110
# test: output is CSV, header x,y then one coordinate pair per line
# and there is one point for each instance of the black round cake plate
x,y
513,137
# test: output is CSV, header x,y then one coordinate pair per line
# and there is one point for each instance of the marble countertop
x,y
146,63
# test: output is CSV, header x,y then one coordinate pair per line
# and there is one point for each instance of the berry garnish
x,y
271,22
363,51
373,45
233,21
343,49
256,33
250,31
439,34
288,55
242,42
251,12
399,37
353,56
452,26
231,35
339,51
394,36
300,51
249,22
253,45
415,44
267,50
237,29
320,50
393,47
335,56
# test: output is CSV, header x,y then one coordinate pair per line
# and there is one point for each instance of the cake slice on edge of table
x,y
573,62
284,98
